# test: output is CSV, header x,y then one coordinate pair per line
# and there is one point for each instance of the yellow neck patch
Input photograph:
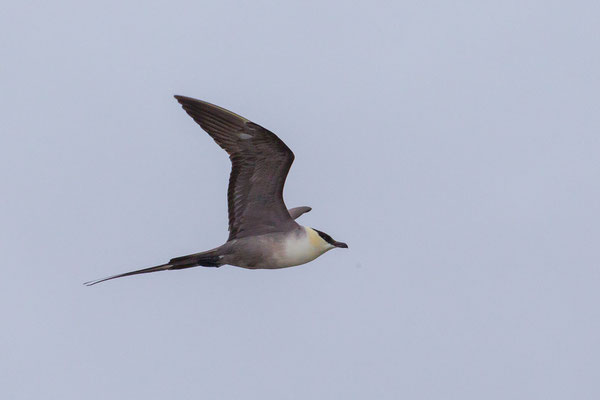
x,y
314,238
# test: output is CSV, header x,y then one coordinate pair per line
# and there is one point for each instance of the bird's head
x,y
332,243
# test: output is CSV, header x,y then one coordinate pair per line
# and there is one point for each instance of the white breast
x,y
302,248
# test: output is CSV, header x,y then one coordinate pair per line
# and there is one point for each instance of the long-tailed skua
x,y
263,233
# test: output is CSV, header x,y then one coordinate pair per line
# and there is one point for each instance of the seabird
x,y
263,233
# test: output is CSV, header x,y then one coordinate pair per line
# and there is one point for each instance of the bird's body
x,y
263,233
275,250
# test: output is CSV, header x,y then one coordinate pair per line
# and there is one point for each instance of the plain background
x,y
453,145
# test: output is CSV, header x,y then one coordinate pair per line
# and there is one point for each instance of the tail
x,y
209,258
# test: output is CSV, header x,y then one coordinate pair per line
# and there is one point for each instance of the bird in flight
x,y
263,233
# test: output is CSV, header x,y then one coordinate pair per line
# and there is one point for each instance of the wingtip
x,y
188,101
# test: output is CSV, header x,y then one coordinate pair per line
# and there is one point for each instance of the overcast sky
x,y
453,145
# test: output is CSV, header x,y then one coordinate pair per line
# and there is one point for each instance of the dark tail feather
x,y
205,259
139,271
209,258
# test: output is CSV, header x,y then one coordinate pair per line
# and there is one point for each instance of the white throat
x,y
300,249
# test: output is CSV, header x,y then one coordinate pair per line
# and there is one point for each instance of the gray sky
x,y
453,145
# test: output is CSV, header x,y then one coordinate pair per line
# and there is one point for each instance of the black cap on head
x,y
330,240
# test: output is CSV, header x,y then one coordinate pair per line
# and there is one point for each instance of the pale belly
x,y
273,251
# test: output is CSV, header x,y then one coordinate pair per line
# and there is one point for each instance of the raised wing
x,y
260,163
